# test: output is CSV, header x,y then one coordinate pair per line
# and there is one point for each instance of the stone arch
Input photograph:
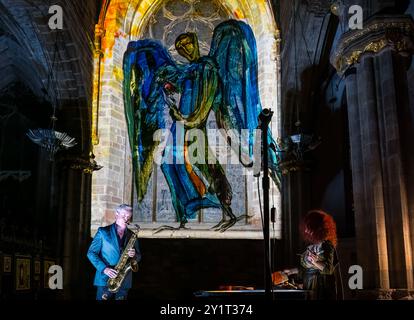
x,y
122,21
27,57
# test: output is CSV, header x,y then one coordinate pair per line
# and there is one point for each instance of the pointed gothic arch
x,y
122,21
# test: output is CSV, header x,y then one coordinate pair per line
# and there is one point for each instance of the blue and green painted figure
x,y
223,82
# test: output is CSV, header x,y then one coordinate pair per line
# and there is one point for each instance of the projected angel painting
x,y
223,82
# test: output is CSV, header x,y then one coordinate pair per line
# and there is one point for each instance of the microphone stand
x,y
264,119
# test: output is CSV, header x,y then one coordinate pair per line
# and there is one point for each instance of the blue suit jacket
x,y
104,252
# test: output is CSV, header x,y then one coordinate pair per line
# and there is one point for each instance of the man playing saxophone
x,y
107,248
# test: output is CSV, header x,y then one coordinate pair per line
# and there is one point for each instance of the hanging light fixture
x,y
293,150
50,139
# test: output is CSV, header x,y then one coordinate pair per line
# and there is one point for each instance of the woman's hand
x,y
111,273
313,259
290,271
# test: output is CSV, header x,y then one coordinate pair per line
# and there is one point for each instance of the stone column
x,y
374,61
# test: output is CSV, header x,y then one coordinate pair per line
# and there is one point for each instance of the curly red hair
x,y
317,226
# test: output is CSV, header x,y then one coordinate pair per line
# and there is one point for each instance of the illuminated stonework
x,y
122,21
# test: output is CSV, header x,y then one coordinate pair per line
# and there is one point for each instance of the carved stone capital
x,y
99,34
379,33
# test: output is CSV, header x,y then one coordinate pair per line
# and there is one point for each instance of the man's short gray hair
x,y
123,206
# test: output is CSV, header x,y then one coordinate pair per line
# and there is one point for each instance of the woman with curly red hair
x,y
319,260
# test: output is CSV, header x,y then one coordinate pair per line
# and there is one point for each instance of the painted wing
x,y
144,103
234,49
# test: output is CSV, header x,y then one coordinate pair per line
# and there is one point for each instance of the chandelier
x,y
49,139
293,149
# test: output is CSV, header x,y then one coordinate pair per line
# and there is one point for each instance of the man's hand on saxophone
x,y
111,273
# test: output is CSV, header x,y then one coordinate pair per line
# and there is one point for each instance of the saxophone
x,y
124,265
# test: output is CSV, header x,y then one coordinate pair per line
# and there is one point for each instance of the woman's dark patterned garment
x,y
322,283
